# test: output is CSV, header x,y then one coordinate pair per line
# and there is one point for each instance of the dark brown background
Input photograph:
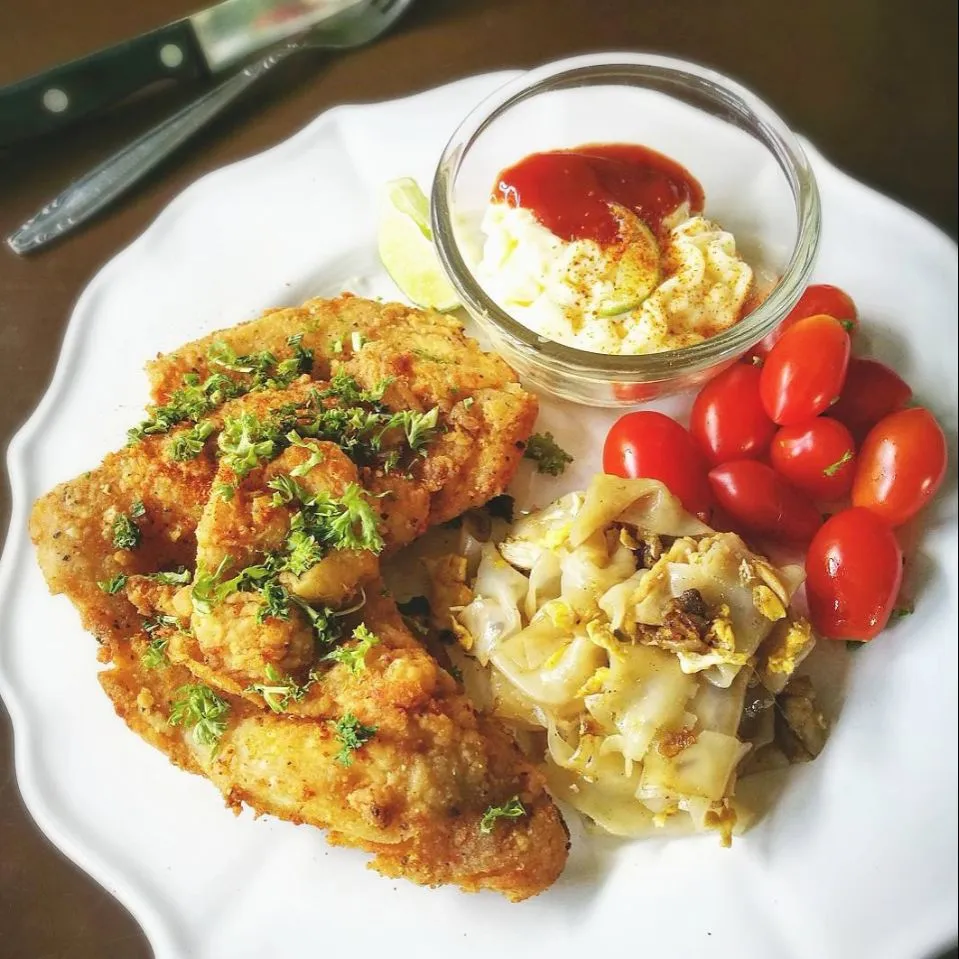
x,y
872,82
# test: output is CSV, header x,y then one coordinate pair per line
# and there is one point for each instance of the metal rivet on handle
x,y
171,55
55,100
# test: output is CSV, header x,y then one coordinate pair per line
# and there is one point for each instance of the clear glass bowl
x,y
757,181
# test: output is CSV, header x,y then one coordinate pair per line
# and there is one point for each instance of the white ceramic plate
x,y
858,858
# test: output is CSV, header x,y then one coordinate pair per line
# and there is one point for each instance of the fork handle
x,y
97,189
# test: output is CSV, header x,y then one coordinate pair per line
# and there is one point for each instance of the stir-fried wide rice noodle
x,y
643,503
558,677
702,769
538,532
644,691
608,801
720,709
487,622
652,651
497,580
589,571
545,583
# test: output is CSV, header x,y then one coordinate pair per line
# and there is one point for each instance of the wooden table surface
x,y
871,82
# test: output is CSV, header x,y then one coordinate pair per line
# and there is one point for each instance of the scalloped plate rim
x,y
125,888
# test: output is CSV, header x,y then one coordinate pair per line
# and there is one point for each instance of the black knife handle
x,y
56,97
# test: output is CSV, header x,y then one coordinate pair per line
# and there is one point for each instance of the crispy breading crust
x,y
71,527
489,417
415,794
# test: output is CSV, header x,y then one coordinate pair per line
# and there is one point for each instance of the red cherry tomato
x,y
728,420
820,298
818,457
871,391
763,502
651,444
853,573
805,371
635,392
901,465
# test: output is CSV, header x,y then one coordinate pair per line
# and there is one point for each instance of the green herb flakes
x,y
511,809
352,735
550,458
198,708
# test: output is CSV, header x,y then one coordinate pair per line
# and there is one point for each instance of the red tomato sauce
x,y
571,191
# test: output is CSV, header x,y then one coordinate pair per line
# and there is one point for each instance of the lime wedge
x,y
407,197
406,247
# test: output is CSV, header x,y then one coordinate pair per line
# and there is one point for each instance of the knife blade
x,y
200,45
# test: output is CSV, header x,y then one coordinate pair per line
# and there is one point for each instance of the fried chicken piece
x,y
234,643
486,415
416,784
72,529
414,794
428,361
427,355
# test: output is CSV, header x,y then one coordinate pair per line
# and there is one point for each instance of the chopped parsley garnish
x,y
113,585
287,490
158,622
266,371
226,491
199,708
420,428
358,432
344,388
245,441
314,458
189,444
155,655
209,588
352,735
126,533
178,577
899,611
511,809
833,469
354,656
455,672
326,523
275,602
304,552
325,628
351,522
279,691
550,458
192,401
137,509
222,354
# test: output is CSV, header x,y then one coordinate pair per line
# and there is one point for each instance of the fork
x,y
96,190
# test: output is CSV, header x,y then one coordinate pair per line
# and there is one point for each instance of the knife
x,y
197,46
